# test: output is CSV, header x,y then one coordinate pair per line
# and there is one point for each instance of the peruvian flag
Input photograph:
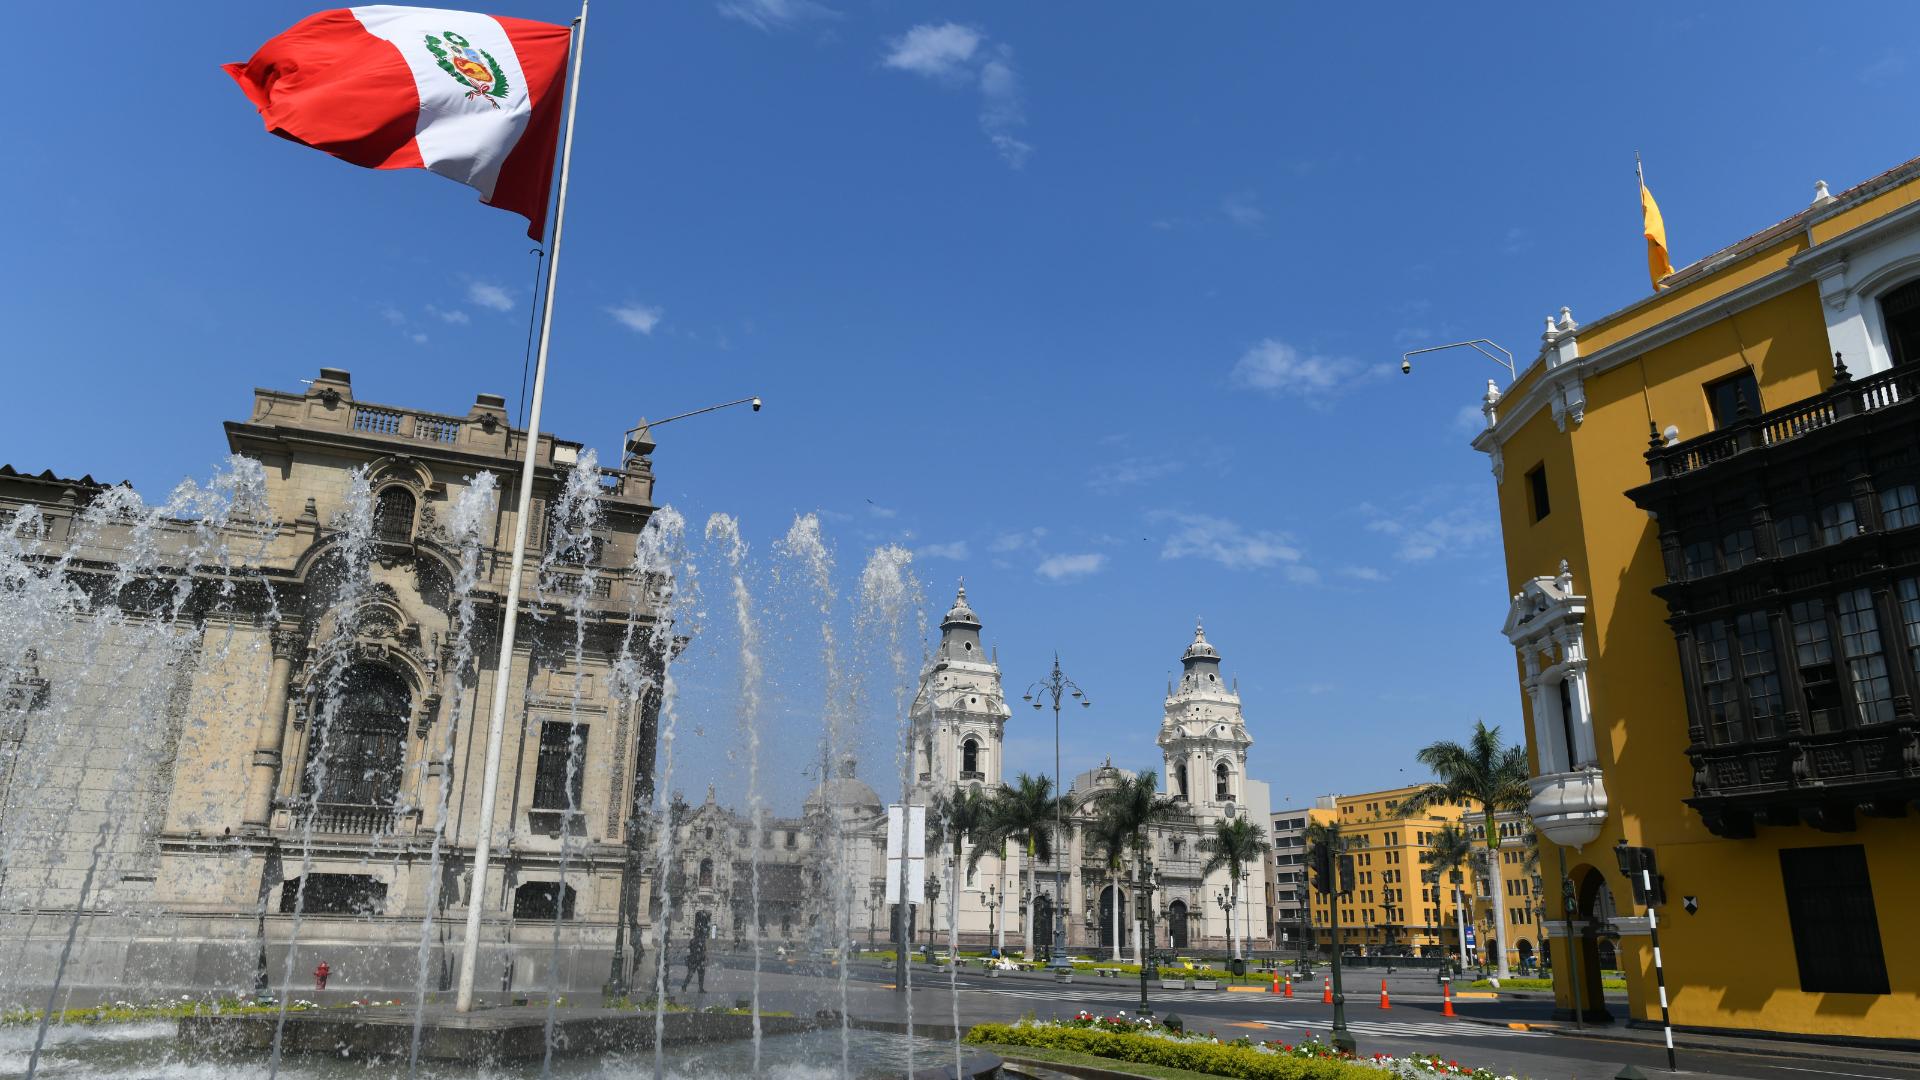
x,y
472,97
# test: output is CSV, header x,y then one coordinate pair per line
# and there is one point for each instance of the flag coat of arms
x,y
471,97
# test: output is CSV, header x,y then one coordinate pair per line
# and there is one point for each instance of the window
x,y
1722,711
1567,723
1899,507
1732,397
969,756
393,515
706,873
1222,782
1760,674
1866,667
558,775
1908,592
364,741
1813,654
334,894
1837,522
1537,498
1737,549
543,900
1791,534
1836,934
1180,777
1699,559
1901,310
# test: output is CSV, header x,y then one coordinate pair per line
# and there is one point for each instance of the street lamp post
x,y
1143,910
1057,686
993,908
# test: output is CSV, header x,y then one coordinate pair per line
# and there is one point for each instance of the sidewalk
x,y
1639,1033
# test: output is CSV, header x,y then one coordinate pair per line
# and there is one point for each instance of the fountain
x,y
274,680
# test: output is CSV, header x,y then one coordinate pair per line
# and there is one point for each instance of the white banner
x,y
915,844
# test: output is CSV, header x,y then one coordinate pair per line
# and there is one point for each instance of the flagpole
x,y
503,676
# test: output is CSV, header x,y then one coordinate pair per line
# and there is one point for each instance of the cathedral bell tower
x,y
1203,735
960,715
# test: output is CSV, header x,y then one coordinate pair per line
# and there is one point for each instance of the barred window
x,y
1836,932
393,515
1716,684
557,778
1899,507
1791,534
1866,666
1837,522
1813,655
1908,590
1760,671
1737,549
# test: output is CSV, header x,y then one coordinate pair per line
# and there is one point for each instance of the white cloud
x,y
1243,210
1068,567
393,315
1361,573
957,55
640,318
1277,368
938,52
1016,541
1112,476
1217,539
453,315
771,15
1425,532
882,512
418,338
957,551
488,295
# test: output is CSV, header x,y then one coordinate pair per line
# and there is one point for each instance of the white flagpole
x,y
496,728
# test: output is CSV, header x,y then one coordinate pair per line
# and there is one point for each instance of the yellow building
x,y
1401,907
1709,504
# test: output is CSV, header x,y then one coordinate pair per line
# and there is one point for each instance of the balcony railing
x,y
406,424
1847,397
1819,778
353,819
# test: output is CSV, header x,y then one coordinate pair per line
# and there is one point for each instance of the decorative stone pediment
x,y
1543,607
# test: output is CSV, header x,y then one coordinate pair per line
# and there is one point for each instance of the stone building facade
x,y
252,719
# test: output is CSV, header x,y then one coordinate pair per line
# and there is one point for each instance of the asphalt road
x,y
1414,1024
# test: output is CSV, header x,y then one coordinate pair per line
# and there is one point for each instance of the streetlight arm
x,y
651,424
1484,347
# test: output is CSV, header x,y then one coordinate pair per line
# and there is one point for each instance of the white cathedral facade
x,y
958,727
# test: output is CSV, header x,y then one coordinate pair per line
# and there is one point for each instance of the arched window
x,y
970,756
1222,782
1180,777
706,873
393,515
359,751
1901,310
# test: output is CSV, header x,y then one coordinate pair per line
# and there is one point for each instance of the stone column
x,y
266,746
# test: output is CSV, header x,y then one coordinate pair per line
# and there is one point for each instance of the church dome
x,y
960,614
1200,649
844,791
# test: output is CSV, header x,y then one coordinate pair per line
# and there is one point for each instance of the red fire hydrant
x,y
320,976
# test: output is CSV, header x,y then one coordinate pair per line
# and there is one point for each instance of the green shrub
x,y
1218,1059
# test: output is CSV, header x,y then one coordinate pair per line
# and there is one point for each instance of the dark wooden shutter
x,y
1836,933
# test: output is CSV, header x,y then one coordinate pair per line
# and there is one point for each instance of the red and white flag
x,y
472,97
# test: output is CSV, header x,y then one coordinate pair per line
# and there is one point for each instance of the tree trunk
x,y
1233,905
1113,875
1134,922
1495,886
1033,899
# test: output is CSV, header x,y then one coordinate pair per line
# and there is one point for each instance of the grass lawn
x,y
1069,1057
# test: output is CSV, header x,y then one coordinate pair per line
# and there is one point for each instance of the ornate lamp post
x,y
1056,686
993,908
1143,910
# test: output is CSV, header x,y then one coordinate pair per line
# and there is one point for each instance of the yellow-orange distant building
x,y
1401,906
1711,505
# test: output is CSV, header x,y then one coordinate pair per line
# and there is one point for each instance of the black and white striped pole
x,y
1650,890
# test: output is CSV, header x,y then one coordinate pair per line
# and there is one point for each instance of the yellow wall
x,y
1731,965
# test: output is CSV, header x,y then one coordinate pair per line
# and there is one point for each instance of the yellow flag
x,y
1658,266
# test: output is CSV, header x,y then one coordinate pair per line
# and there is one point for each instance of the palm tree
x,y
1326,834
1024,814
1135,804
1109,834
1236,843
1448,851
1491,774
956,816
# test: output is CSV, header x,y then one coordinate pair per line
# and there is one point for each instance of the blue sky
x,y
1097,305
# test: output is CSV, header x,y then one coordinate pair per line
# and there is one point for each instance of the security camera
x,y
1406,367
756,404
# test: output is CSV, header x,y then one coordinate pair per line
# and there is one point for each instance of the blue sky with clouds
x,y
1097,305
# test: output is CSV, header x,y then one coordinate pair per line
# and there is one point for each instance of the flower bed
x,y
1141,1041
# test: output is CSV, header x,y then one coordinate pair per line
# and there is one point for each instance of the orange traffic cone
x,y
1276,983
1289,990
1446,998
1383,995
1326,992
